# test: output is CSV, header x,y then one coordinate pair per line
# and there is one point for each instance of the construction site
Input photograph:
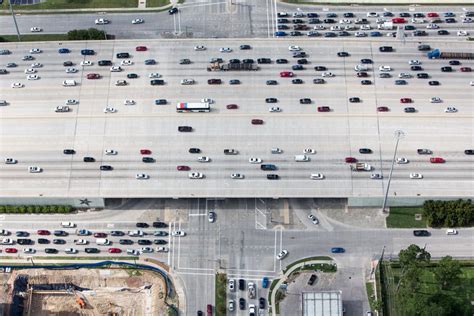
x,y
110,292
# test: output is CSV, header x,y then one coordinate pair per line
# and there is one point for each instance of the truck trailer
x,y
436,53
217,66
361,166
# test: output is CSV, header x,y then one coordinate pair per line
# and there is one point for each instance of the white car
x,y
178,233
380,21
30,71
416,176
313,219
34,169
451,231
129,102
372,14
316,176
10,161
274,109
133,252
467,20
199,48
365,27
231,306
335,28
62,109
136,233
432,26
225,49
110,110
115,69
187,81
204,159
121,83
35,51
6,241
327,74
294,48
138,21
126,62
71,251
36,65
450,109
360,34
435,100
211,217
35,29
101,21
236,176
402,160
146,250
86,63
231,285
463,33
385,68
29,251
255,160
345,21
4,232
309,151
418,21
195,175
207,100
81,242
162,249
319,27
376,176
154,75
276,150
71,70
17,85
349,28
282,254
32,77
110,152
142,176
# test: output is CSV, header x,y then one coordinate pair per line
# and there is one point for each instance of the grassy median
x,y
35,37
404,217
220,294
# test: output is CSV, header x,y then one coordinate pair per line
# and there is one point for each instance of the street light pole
x,y
398,134
14,20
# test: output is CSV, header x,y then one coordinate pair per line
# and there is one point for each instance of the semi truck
x,y
217,66
436,53
361,166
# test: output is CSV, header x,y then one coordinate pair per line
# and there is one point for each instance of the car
x,y
225,49
282,254
214,81
27,57
303,61
271,82
422,75
173,11
71,251
178,233
437,160
114,250
144,242
93,76
195,175
465,69
110,110
294,48
273,177
343,54
362,74
30,71
255,160
421,233
185,129
71,70
400,82
319,81
59,241
11,65
10,161
365,150
24,241
43,241
11,250
416,68
327,74
101,21
469,152
138,21
296,81
162,249
234,81
237,176
257,122
125,242
7,241
416,176
446,69
91,250
22,234
450,109
462,33
34,169
117,233
160,233
409,110
17,85
50,250
43,232
354,100
337,250
360,34
305,101
376,176
406,100
157,82
324,109
365,82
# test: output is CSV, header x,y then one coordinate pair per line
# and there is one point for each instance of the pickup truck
x,y
361,166
251,290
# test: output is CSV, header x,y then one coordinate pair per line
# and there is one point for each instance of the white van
x,y
102,241
68,224
69,83
300,158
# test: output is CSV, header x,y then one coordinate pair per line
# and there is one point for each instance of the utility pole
x,y
398,134
14,20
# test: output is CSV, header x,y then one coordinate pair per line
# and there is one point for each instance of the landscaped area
x,y
404,217
76,4
156,3
221,293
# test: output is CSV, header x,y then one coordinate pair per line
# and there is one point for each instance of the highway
x,y
43,134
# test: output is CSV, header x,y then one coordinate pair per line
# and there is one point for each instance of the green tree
x,y
447,273
413,255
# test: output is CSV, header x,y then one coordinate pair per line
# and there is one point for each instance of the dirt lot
x,y
124,292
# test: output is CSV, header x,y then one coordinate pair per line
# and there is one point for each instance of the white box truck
x,y
102,242
69,83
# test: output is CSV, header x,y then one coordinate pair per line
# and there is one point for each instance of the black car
x,y
144,242
424,47
283,21
234,61
312,15
245,46
365,151
22,234
106,168
69,151
191,151
104,63
296,33
282,61
60,233
125,242
454,62
117,233
318,81
343,33
185,128
354,99
160,101
123,55
450,20
320,68
184,61
385,75
271,100
366,61
400,82
386,49
443,32
160,242
409,110
419,33
43,241
302,61
157,82
469,152
422,75
248,61
261,303
50,250
12,65
404,15
148,159
92,250
314,21
366,82
418,15
59,241
297,21
297,67
331,15
416,68
234,81
132,76
446,69
305,101
329,21
330,34
272,177
173,11
342,54
299,55
88,159
68,64
433,83
409,27
267,167
160,233
24,241
312,279
348,15
242,284
161,224
264,61
242,303
421,233
296,81
271,82
142,225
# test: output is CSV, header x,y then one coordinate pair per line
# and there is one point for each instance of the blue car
x,y
338,250
150,62
400,82
280,33
87,52
64,51
375,34
448,14
264,282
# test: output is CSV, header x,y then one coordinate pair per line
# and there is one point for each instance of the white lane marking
x,y
169,243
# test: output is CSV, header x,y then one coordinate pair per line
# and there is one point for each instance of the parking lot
x,y
327,138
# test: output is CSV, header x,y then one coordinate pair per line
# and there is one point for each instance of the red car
x,y
11,250
382,109
257,122
231,106
437,160
209,310
398,20
114,250
284,74
93,76
43,232
432,15
140,48
214,81
324,109
350,159
100,235
183,168
406,100
145,151
466,69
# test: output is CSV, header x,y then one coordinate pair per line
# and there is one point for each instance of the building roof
x,y
326,303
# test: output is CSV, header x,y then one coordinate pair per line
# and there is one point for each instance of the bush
x,y
37,209
90,34
456,213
